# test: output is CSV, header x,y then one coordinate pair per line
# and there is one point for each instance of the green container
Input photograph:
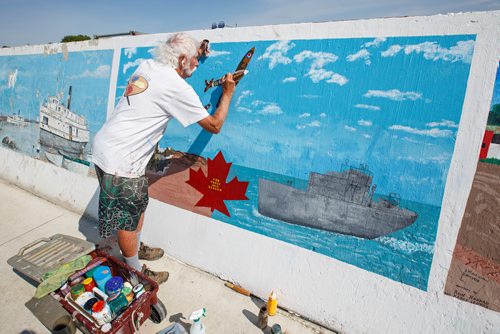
x,y
77,290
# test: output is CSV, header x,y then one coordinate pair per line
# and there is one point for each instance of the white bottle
x,y
197,327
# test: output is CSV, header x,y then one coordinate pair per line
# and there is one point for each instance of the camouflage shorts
x,y
122,200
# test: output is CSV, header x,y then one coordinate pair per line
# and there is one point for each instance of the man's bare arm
x,y
213,123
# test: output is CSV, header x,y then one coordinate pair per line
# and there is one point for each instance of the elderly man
x,y
156,93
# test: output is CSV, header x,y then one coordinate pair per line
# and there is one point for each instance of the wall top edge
x,y
439,24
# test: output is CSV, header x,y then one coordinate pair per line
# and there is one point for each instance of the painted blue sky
x,y
27,81
308,105
40,22
496,90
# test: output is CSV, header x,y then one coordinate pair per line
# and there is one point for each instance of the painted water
x,y
404,256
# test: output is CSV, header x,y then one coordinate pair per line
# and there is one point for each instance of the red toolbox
x,y
60,249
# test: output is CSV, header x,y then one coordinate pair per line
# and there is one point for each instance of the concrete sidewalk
x,y
25,218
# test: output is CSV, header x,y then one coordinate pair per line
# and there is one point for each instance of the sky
x,y
40,22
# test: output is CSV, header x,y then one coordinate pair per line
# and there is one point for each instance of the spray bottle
x,y
197,327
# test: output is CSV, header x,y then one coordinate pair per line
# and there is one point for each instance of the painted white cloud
x,y
444,122
367,136
103,71
289,79
349,128
267,108
434,132
130,52
243,95
310,96
316,71
248,110
313,124
366,106
134,63
392,51
439,159
462,51
304,115
276,53
214,53
394,94
12,79
322,114
363,122
361,54
375,43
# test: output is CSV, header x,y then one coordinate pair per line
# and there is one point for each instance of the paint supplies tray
x,y
117,311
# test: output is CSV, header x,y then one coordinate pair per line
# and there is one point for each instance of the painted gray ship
x,y
340,202
62,129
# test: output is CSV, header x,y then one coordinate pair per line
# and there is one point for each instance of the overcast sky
x,y
40,22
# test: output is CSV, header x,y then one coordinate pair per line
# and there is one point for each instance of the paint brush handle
x,y
238,289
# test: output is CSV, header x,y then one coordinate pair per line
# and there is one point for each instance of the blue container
x,y
114,286
101,275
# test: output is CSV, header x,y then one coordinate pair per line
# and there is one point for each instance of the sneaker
x,y
157,276
149,253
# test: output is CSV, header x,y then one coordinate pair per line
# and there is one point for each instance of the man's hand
x,y
228,84
213,124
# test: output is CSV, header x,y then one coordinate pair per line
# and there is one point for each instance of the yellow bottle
x,y
272,304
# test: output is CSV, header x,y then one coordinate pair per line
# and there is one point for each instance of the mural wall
x,y
474,274
51,105
339,146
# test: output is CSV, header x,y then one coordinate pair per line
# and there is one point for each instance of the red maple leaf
x,y
214,188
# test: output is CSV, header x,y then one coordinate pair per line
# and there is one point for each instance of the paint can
x,y
101,275
114,286
77,290
138,290
88,284
101,312
83,298
117,304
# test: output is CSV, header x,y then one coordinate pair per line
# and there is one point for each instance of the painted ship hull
x,y
57,143
315,210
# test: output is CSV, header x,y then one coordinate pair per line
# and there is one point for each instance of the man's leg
x,y
128,241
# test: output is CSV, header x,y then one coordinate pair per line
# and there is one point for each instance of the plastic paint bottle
x,y
272,304
101,275
197,327
262,318
101,312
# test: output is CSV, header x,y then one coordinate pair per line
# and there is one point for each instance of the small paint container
x,y
88,284
101,275
77,290
138,290
117,304
90,273
83,298
88,305
101,312
114,286
127,292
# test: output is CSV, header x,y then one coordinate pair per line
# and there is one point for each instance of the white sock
x,y
138,240
133,261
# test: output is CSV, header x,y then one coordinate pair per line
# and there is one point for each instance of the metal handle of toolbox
x,y
22,250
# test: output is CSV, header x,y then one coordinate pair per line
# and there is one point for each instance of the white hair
x,y
178,44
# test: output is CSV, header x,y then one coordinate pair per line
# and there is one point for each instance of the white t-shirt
x,y
155,93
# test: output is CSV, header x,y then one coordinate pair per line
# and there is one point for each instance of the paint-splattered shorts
x,y
122,200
